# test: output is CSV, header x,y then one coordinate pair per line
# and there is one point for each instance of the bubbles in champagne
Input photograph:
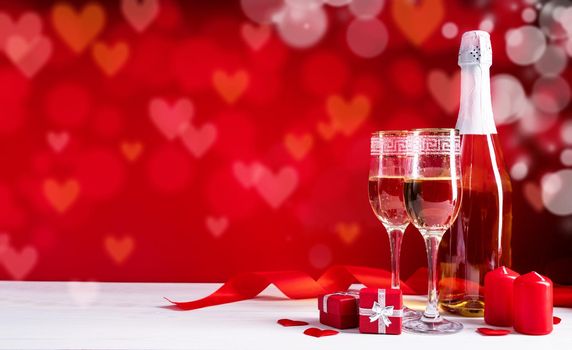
x,y
557,192
525,45
367,37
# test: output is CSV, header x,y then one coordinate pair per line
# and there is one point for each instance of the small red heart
x,y
556,320
317,332
291,323
493,332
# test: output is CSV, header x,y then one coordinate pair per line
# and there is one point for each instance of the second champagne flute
x,y
433,191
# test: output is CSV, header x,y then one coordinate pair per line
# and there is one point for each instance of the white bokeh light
x,y
553,61
487,24
550,16
551,95
301,27
366,8
565,20
449,30
261,11
525,45
566,157
550,147
509,98
337,3
519,170
534,121
528,15
566,132
367,37
557,192
303,3
568,46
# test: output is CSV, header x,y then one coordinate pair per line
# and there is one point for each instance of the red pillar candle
x,y
533,304
499,296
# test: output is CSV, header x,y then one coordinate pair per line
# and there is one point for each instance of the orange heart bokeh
x,y
78,28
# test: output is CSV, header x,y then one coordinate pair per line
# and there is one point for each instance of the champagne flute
x,y
386,179
432,191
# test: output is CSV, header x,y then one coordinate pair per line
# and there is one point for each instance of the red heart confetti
x,y
291,323
318,333
493,332
556,320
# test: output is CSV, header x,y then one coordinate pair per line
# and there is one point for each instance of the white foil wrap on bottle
x,y
475,59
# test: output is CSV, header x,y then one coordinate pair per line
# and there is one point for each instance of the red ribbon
x,y
563,296
299,285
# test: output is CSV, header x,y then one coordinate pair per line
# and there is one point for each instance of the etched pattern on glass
x,y
394,145
438,145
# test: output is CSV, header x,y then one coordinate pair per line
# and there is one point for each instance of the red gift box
x,y
339,310
380,311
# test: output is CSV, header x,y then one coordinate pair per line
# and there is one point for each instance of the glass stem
x,y
432,240
395,237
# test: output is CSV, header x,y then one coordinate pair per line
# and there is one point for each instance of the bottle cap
x,y
476,48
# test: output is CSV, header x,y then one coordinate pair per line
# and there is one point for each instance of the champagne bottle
x,y
479,240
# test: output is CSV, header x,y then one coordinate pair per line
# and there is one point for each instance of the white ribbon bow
x,y
383,312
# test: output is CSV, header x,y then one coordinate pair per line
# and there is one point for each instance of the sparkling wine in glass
x,y
385,187
432,194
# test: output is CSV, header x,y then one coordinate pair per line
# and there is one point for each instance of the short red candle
x,y
499,296
533,304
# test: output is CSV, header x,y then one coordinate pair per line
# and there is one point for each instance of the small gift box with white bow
x,y
380,311
339,310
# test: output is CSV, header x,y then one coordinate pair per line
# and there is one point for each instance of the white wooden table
x,y
73,315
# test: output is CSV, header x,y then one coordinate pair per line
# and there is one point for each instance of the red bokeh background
x,y
203,144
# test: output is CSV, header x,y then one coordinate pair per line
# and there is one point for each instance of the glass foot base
x,y
423,325
411,314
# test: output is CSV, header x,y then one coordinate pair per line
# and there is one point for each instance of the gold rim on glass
x,y
436,130
390,132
